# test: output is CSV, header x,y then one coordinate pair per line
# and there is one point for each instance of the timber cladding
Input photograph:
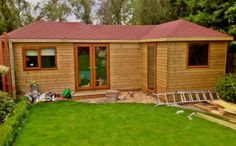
x,y
180,77
144,66
162,67
125,65
49,80
128,67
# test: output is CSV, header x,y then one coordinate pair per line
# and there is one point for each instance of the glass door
x,y
151,67
84,67
92,66
101,66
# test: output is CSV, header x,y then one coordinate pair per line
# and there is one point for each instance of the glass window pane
x,y
31,58
48,58
48,52
198,54
84,66
32,52
101,65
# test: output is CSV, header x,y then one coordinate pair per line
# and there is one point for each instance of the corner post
x,y
7,63
12,69
2,63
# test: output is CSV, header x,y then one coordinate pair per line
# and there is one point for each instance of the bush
x,y
11,127
226,87
7,106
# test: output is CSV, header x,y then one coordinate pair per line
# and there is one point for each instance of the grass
x,y
73,123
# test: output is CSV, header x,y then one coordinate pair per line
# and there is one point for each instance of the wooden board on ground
x,y
215,120
229,106
202,107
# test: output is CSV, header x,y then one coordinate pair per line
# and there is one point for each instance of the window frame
x,y
24,49
197,66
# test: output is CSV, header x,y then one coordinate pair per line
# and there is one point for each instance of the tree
x,y
13,14
82,9
157,11
114,11
53,10
218,14
104,14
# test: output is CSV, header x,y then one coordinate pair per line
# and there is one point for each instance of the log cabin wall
x,y
48,80
180,77
125,66
128,67
162,66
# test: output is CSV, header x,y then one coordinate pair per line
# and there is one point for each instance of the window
x,y
39,58
198,55
31,56
48,58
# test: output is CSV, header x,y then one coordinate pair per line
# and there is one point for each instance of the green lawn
x,y
73,123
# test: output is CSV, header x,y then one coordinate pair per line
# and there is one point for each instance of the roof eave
x,y
71,41
225,38
166,39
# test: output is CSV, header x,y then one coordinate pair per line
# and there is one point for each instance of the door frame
x,y
92,66
155,66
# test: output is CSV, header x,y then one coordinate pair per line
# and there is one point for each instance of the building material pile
x,y
216,120
219,108
204,101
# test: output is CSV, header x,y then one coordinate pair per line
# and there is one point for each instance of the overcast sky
x,y
33,1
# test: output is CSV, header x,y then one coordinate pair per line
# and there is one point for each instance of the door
x,y
151,66
92,66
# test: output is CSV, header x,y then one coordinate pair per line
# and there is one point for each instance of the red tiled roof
x,y
75,30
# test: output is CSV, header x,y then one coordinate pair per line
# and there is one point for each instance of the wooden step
x,y
88,94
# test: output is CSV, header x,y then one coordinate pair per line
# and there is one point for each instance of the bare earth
x,y
125,97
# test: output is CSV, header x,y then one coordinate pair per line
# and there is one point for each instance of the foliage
x,y
33,83
226,87
82,9
53,10
60,10
11,127
153,11
218,14
3,70
114,11
7,106
13,14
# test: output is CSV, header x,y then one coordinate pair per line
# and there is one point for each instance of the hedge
x,y
11,127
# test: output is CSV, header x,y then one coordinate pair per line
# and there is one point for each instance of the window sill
x,y
39,69
199,66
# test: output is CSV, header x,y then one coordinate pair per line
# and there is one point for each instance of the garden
x,y
71,122
75,123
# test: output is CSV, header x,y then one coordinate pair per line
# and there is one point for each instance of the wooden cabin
x,y
178,55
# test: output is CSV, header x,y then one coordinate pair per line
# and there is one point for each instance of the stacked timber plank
x,y
220,108
216,120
